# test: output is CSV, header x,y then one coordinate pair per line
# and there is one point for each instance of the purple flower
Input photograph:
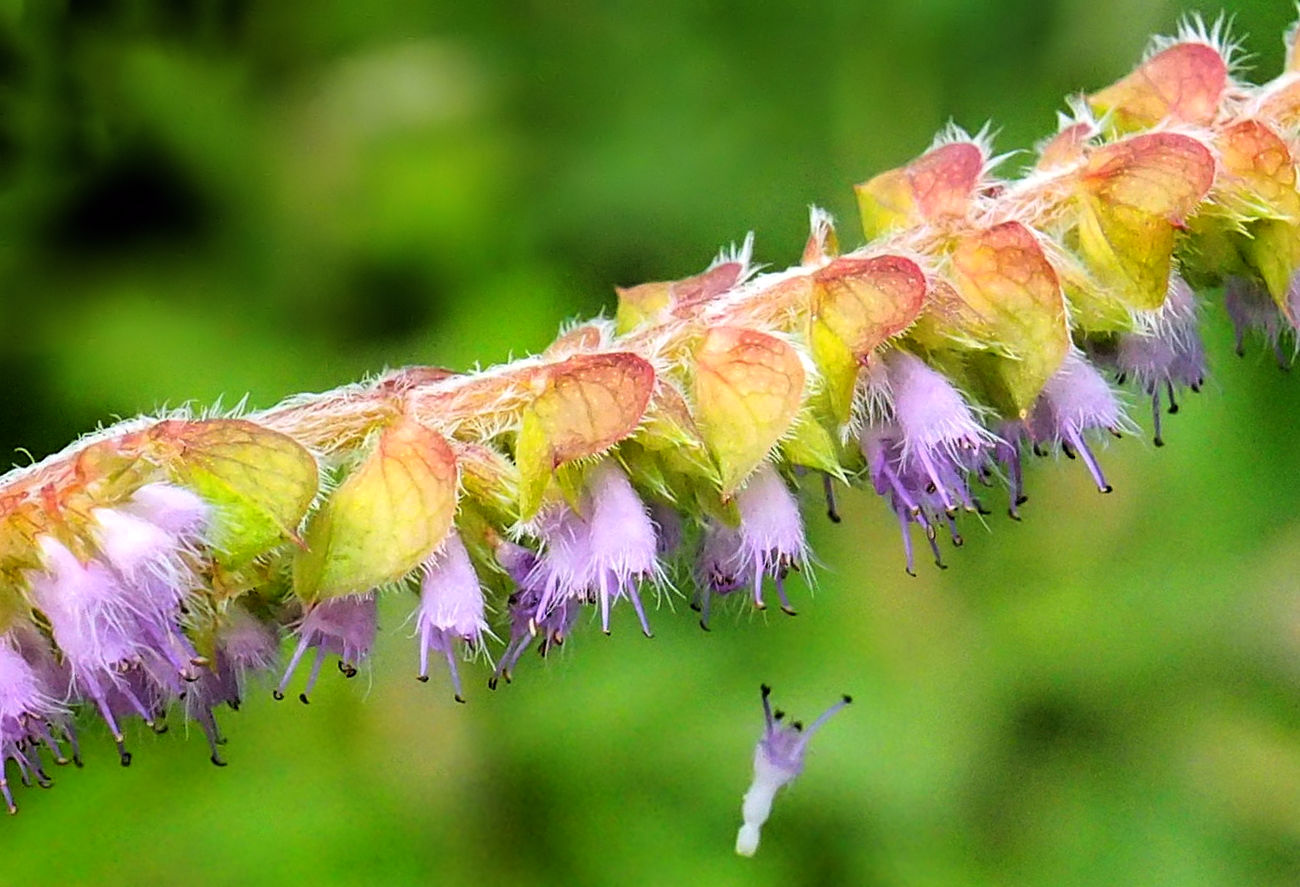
x,y
28,716
177,510
778,759
669,531
151,568
1252,309
96,624
521,565
716,567
921,444
601,554
451,607
341,626
243,645
1169,353
768,541
1076,401
939,438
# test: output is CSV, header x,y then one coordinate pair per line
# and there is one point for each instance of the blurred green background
x,y
213,198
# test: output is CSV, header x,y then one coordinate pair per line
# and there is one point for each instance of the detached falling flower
x,y
778,759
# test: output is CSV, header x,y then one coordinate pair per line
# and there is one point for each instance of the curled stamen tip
x,y
647,632
695,606
759,605
277,695
704,625
216,761
1021,500
302,697
798,725
909,571
459,698
848,700
1158,441
422,678
1107,489
834,516
492,683
958,541
778,715
159,729
1011,513
1173,409
606,632
789,611
765,690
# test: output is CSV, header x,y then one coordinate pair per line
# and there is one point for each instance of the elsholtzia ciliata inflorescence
x,y
163,560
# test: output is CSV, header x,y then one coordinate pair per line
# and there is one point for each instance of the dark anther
x,y
422,678
778,715
216,760
1108,489
1068,450
765,690
492,683
848,700
789,611
277,695
459,698
1159,441
302,697
798,725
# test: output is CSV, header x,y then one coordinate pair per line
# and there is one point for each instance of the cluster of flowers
x,y
160,561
